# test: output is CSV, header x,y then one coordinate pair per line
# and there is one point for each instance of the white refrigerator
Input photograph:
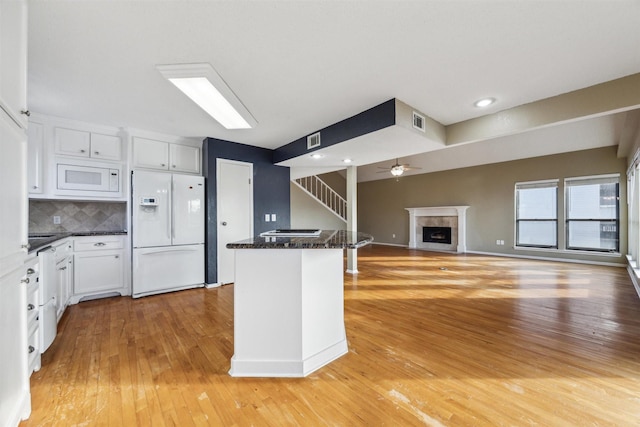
x,y
168,232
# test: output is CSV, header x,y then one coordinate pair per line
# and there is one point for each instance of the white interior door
x,y
235,212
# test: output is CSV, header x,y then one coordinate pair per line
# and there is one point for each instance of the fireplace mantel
x,y
459,211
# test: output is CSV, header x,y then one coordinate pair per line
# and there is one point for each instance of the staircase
x,y
319,190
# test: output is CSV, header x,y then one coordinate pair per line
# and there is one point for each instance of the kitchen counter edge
x,y
40,243
328,239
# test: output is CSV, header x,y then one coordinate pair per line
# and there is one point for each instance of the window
x,y
537,214
593,213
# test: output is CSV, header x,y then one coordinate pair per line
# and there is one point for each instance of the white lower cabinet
x,y
32,270
64,272
98,265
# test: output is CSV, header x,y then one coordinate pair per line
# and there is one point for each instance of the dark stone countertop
x,y
38,241
328,239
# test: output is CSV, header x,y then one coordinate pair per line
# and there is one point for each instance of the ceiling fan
x,y
397,169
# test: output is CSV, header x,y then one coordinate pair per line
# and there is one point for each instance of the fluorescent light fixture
x,y
205,87
485,102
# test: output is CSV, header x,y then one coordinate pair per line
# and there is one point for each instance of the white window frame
x,y
568,183
534,184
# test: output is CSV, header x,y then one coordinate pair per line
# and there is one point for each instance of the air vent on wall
x,y
418,121
313,141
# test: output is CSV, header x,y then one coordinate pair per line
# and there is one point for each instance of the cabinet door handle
x,y
25,280
99,244
30,271
82,151
117,256
26,113
163,164
30,307
96,152
173,166
31,349
63,268
26,246
35,187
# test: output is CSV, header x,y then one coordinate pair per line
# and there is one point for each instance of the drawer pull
x,y
30,307
31,349
99,244
63,268
30,271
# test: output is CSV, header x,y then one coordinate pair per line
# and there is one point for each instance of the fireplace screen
x,y
436,234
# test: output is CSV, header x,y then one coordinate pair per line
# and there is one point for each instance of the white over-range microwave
x,y
104,180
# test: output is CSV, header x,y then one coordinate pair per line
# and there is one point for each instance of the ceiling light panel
x,y
204,86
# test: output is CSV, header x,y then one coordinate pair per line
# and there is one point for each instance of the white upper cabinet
x,y
35,157
13,60
106,147
184,158
151,154
72,142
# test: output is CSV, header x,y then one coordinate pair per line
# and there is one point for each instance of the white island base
x,y
288,311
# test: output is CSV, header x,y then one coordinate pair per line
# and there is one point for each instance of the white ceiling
x,y
299,66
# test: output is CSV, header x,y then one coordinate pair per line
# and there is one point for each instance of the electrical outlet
x,y
267,217
56,219
393,236
273,217
497,242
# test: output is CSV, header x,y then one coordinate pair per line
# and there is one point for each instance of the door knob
x,y
224,222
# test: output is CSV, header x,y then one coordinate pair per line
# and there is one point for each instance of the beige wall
x,y
489,190
336,181
306,212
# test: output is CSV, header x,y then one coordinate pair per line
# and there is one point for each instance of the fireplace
x,y
436,235
451,217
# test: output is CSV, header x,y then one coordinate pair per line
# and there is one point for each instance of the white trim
x,y
543,181
634,274
584,178
212,285
567,251
567,260
351,271
389,244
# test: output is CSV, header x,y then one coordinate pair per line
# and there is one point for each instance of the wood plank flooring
x,y
434,339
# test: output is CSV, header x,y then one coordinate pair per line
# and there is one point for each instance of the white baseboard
x,y
389,244
540,258
212,285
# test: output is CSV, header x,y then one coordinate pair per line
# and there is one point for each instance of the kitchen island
x,y
289,302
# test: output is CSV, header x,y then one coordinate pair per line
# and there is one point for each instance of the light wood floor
x,y
435,339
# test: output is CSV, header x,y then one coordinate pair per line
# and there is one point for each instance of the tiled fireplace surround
x,y
441,216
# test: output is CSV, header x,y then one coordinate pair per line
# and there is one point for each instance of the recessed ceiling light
x,y
316,156
204,86
485,102
347,161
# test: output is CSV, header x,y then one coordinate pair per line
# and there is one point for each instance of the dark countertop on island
x,y
328,239
38,241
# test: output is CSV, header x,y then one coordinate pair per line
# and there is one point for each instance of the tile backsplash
x,y
76,216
